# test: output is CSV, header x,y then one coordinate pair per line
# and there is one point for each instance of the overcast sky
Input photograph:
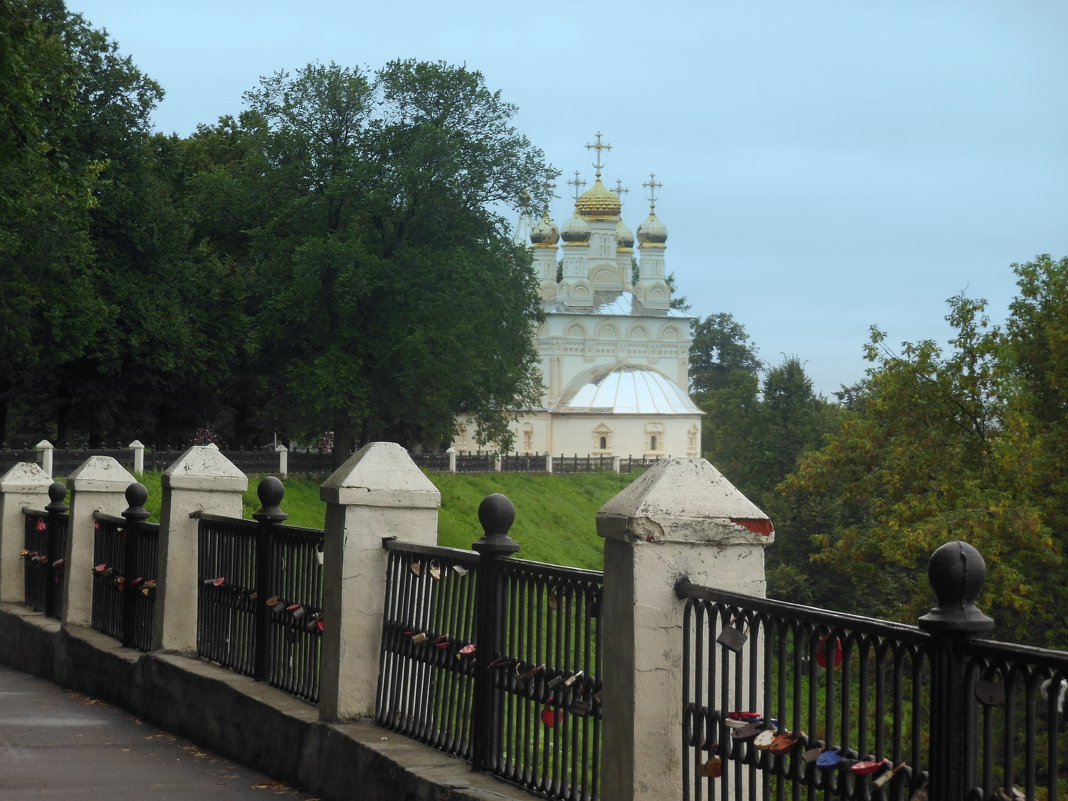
x,y
826,166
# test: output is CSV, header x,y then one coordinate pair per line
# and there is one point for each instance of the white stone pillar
x,y
97,485
283,460
200,480
379,492
46,448
548,463
680,518
24,486
139,456
451,453
616,464
497,462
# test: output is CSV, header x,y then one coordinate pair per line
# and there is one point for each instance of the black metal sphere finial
x,y
956,573
136,495
496,514
270,492
57,492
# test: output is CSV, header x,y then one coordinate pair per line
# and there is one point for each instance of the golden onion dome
x,y
576,231
545,233
652,232
624,236
598,203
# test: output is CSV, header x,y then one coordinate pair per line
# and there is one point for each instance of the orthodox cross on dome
x,y
652,185
620,191
548,186
598,147
578,183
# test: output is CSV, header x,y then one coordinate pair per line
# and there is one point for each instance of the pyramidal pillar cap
x,y
687,501
203,467
380,474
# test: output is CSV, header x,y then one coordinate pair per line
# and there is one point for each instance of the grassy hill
x,y
555,514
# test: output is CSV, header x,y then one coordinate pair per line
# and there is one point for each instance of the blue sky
x,y
826,165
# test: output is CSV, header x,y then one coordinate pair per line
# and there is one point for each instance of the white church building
x,y
614,355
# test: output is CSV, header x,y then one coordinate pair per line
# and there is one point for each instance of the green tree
x,y
49,311
915,462
393,296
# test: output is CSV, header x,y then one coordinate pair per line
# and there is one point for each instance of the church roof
x,y
613,303
625,389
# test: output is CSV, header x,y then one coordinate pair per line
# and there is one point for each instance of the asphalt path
x,y
59,744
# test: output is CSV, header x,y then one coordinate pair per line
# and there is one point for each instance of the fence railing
x,y
495,660
260,596
44,545
783,701
125,571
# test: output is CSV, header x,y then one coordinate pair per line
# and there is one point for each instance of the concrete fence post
x,y
680,518
24,486
200,480
283,460
139,456
616,463
497,462
97,485
378,493
548,463
46,452
451,453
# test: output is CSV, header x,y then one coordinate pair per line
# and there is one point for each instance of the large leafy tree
x,y
392,298
957,443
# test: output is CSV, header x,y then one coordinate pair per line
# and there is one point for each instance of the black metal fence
x,y
581,464
125,571
259,603
495,660
785,701
522,463
438,462
43,550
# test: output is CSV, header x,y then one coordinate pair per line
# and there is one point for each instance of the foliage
x,y
956,444
378,242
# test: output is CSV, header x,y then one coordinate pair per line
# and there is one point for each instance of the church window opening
x,y
528,438
604,443
602,439
652,442
654,438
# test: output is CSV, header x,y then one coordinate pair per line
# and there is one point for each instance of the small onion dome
x,y
545,234
598,203
652,232
624,236
576,231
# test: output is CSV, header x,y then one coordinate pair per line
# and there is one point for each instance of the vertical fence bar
x,y
496,514
56,547
270,492
956,573
136,514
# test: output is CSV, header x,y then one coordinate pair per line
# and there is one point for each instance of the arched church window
x,y
604,443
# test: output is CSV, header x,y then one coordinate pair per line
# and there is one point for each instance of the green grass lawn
x,y
555,514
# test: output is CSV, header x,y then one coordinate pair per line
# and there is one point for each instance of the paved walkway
x,y
58,744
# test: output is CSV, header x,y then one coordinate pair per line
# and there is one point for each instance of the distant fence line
x,y
283,461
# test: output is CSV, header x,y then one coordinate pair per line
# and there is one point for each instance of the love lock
x,y
41,525
468,650
435,570
884,779
57,564
319,554
550,717
866,767
713,769
416,568
296,610
748,732
572,678
733,638
990,693
812,754
555,682
459,570
783,743
829,759
821,651
420,637
40,558
523,676
557,601
764,740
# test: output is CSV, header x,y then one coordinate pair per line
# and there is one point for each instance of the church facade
x,y
614,355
